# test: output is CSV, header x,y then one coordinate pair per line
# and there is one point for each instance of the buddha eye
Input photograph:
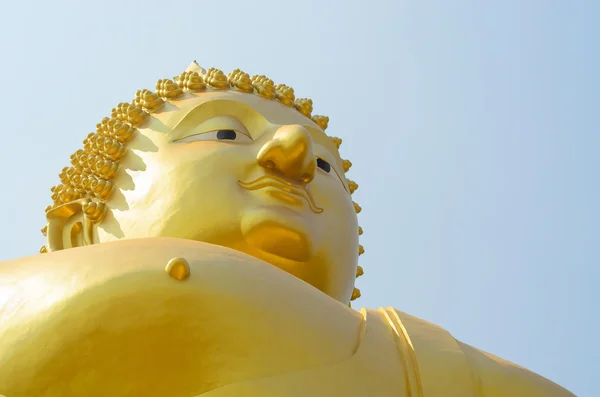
x,y
324,165
218,135
227,134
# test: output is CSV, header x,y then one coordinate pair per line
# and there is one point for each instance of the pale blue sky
x,y
473,127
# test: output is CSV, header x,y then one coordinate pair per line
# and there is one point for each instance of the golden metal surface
x,y
178,268
233,178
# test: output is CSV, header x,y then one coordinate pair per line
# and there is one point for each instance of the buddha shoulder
x,y
444,363
116,303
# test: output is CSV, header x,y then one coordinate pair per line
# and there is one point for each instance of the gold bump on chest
x,y
178,268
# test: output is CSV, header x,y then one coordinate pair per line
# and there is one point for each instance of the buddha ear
x,y
72,224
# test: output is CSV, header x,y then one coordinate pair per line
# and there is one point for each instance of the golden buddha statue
x,y
204,242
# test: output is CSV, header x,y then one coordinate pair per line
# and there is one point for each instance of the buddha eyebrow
x,y
214,108
207,107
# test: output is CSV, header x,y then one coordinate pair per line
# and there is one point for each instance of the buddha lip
x,y
287,186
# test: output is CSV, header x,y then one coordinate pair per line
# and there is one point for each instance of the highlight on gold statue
x,y
204,241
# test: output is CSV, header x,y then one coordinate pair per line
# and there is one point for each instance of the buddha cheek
x,y
340,250
204,191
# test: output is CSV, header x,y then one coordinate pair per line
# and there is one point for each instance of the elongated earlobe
x,y
71,225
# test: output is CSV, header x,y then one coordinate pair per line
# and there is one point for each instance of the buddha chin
x,y
278,233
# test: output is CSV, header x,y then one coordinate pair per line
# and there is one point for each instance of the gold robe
x,y
107,320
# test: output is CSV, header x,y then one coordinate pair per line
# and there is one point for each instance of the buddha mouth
x,y
286,186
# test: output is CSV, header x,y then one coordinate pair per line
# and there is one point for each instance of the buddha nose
x,y
290,152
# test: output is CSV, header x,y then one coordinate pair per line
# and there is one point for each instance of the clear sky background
x,y
473,127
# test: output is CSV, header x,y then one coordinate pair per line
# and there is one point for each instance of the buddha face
x,y
241,171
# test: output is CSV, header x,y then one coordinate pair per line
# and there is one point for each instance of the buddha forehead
x,y
257,114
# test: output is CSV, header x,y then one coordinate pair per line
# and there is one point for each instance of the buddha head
x,y
223,159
